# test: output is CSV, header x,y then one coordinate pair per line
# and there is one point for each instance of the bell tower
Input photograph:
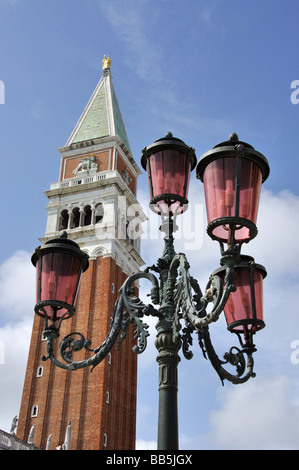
x,y
95,201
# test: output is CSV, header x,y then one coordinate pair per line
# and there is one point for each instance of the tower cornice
x,y
100,180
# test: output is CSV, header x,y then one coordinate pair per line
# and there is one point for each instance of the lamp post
x,y
232,174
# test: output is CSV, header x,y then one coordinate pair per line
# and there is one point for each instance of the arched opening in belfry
x,y
87,215
64,220
99,213
75,217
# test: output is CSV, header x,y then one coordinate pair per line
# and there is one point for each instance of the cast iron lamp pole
x,y
232,173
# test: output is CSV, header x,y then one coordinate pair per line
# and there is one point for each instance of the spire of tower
x,y
101,117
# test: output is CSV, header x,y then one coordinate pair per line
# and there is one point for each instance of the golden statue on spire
x,y
106,62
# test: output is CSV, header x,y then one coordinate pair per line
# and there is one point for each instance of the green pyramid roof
x,y
102,116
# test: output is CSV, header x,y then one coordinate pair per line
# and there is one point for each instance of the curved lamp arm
x,y
190,304
235,357
128,309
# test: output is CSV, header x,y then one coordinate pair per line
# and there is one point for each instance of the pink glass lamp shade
x,y
60,264
168,163
244,308
232,174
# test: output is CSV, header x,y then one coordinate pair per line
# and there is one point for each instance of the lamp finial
x,y
234,137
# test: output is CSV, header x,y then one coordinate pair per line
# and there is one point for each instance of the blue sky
x,y
201,69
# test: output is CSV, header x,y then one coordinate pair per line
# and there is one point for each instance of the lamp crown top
x,y
233,137
168,142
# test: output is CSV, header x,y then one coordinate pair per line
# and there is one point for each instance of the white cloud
x,y
259,415
17,298
17,287
276,245
15,338
146,445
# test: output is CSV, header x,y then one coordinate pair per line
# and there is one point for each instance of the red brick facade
x,y
101,404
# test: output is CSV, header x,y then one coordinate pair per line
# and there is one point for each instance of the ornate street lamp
x,y
232,174
168,162
244,307
60,264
